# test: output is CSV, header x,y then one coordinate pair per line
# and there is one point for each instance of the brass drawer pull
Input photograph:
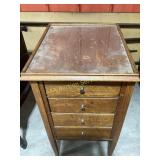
x,y
82,121
82,107
82,91
82,133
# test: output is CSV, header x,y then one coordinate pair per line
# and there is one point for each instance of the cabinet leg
x,y
111,147
122,106
55,148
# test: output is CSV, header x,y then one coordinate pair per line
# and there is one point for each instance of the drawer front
x,y
83,105
72,119
82,133
90,90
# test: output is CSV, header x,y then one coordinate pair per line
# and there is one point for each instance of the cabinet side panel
x,y
47,107
125,96
41,105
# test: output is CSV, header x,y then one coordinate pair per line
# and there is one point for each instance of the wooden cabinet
x,y
82,76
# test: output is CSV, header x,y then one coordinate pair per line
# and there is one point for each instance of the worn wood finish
x,y
83,105
105,76
94,48
72,89
93,78
130,33
41,105
83,119
125,96
87,133
47,107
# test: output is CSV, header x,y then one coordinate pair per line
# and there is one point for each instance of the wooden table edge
x,y
107,78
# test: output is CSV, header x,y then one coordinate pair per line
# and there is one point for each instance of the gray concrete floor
x,y
38,143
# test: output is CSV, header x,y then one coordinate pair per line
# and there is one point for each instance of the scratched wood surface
x,y
83,119
90,105
72,89
81,49
81,133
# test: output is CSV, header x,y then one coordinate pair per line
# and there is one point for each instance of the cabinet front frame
x,y
46,113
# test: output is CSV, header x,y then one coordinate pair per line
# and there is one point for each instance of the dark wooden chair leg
x,y
23,143
24,86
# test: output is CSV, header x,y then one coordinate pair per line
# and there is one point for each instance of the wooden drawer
x,y
77,90
83,105
82,133
83,119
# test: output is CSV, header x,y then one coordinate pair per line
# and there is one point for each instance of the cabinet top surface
x,y
81,49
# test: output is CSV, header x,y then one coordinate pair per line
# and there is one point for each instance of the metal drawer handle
x,y
82,121
82,91
82,107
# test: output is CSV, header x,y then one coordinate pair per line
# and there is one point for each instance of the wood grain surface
x,y
125,96
42,108
91,48
91,89
83,105
84,119
83,133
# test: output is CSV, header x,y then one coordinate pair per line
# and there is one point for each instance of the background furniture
x,y
24,86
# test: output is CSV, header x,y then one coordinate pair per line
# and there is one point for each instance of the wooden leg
x,y
23,142
125,96
44,115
